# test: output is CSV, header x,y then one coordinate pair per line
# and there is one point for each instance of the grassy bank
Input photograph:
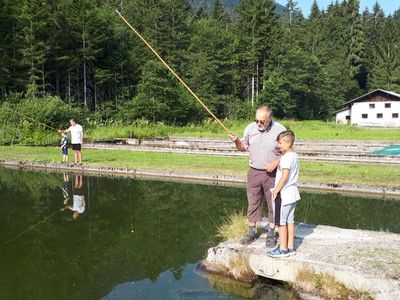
x,y
306,130
371,175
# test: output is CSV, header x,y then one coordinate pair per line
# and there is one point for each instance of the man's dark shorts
x,y
76,147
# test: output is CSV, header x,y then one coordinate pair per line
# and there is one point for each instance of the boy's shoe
x,y
271,241
248,239
278,253
292,252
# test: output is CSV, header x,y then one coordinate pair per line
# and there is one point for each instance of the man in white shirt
x,y
76,131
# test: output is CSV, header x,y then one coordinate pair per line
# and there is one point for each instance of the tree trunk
x,y
43,80
257,82
84,68
57,83
252,90
95,95
69,86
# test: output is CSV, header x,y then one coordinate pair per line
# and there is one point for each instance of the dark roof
x,y
370,93
342,109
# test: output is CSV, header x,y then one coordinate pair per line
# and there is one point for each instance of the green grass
x,y
326,286
234,226
304,130
335,173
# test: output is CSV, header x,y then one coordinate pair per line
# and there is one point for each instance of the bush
x,y
21,119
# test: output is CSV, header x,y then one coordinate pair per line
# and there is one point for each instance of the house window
x,y
379,116
372,105
395,116
364,116
388,105
347,117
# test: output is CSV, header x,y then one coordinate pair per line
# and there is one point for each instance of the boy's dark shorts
x,y
76,147
65,151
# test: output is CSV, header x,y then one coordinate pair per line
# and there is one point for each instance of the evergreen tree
x,y
258,27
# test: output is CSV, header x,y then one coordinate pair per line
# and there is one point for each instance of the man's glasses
x,y
262,122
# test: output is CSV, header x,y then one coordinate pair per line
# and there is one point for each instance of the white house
x,y
377,108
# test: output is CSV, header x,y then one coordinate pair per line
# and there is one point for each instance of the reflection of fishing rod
x,y
173,73
30,118
32,227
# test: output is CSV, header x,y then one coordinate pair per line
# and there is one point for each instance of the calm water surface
x,y
82,237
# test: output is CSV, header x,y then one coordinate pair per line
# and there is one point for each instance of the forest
x,y
77,56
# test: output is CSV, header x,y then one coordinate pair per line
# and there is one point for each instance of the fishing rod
x,y
173,72
30,118
32,227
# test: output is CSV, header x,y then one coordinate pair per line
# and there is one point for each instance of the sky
x,y
389,6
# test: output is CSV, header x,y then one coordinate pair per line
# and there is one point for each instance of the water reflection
x,y
78,199
135,238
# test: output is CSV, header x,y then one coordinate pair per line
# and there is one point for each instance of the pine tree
x,y
385,72
258,27
355,43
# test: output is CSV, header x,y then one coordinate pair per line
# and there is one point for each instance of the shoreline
x,y
195,177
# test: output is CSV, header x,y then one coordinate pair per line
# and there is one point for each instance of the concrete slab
x,y
362,260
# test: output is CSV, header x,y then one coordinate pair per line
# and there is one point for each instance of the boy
x,y
285,194
64,147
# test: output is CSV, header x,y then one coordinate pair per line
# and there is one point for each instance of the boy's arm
x,y
281,183
63,145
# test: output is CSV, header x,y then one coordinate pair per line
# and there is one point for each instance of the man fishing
x,y
264,156
76,131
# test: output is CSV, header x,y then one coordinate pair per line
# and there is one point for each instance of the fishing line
x,y
32,227
173,72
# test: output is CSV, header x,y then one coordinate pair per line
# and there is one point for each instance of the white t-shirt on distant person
x,y
76,133
78,204
290,192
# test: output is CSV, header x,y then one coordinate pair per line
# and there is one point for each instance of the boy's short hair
x,y
288,134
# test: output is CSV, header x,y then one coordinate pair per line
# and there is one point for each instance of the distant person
x,y
64,147
260,140
285,194
76,131
78,204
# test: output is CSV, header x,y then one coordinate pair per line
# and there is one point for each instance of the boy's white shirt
x,y
290,192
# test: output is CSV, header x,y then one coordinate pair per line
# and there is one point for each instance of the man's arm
x,y
82,137
64,131
238,143
281,183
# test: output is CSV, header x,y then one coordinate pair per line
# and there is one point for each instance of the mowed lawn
x,y
335,173
304,130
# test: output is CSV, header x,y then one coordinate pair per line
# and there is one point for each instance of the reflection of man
x,y
264,155
78,204
65,189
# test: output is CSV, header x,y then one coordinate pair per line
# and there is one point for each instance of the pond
x,y
69,236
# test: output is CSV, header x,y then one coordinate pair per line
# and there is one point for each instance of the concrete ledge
x,y
213,178
362,260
